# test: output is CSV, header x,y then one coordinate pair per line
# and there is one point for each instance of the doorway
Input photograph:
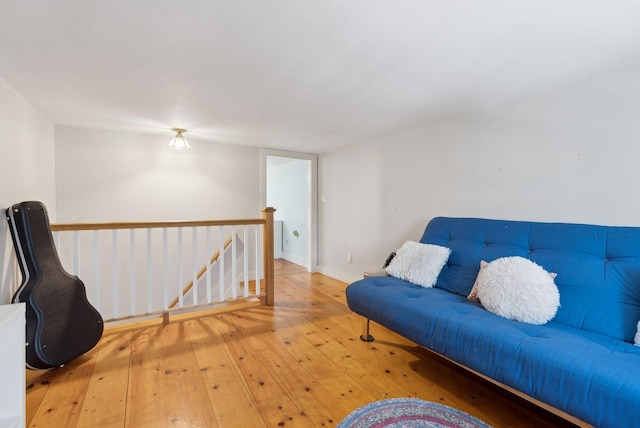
x,y
288,182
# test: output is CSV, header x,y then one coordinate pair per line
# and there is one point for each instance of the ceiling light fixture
x,y
179,142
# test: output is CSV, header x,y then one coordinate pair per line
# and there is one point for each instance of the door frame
x,y
312,221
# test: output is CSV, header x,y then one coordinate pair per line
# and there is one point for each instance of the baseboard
x,y
301,261
340,276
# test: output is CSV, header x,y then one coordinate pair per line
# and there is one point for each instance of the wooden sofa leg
x,y
365,336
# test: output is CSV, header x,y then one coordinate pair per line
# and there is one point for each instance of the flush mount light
x,y
179,142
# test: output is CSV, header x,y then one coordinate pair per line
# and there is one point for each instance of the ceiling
x,y
302,75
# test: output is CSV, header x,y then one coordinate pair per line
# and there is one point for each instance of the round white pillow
x,y
518,289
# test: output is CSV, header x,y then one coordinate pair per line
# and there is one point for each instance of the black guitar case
x,y
61,323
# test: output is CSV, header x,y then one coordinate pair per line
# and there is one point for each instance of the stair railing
x,y
201,272
126,280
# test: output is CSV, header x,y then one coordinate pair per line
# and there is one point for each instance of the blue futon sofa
x,y
582,362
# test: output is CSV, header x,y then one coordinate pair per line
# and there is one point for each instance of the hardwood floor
x,y
298,364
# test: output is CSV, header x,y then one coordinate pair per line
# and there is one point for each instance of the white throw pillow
x,y
636,339
518,289
419,263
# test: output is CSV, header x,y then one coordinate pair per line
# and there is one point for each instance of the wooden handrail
x,y
153,225
201,272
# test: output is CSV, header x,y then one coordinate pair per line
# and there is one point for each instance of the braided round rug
x,y
409,413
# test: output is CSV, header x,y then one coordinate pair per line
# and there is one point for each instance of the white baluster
x,y
180,267
76,252
234,267
96,271
165,270
258,260
132,275
221,262
149,272
246,261
114,270
209,264
194,257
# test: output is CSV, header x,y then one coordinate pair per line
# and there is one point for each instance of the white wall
x,y
28,171
104,176
107,176
288,192
570,155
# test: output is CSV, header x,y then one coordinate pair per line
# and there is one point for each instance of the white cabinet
x,y
12,368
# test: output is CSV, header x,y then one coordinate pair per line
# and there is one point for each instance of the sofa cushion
x,y
517,289
418,263
598,267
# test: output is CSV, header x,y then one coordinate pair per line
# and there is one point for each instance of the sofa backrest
x,y
598,267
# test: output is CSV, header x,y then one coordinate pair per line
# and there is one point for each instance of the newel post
x,y
267,214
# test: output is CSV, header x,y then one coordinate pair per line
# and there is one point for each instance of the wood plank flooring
x,y
296,364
